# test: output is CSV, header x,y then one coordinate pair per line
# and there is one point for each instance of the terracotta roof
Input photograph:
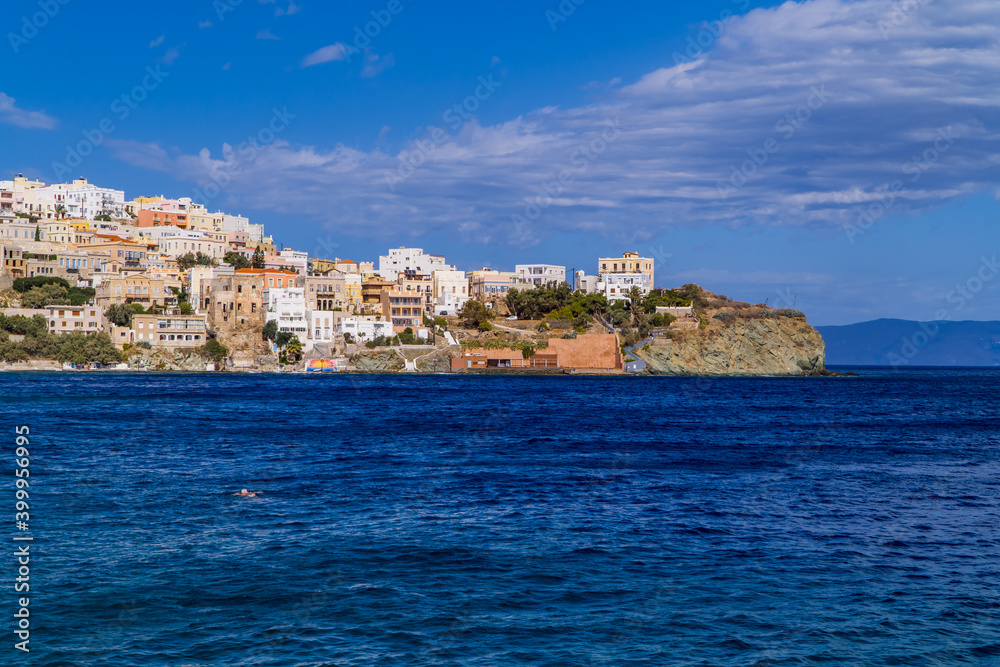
x,y
257,271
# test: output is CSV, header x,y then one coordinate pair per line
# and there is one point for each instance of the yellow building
x,y
207,222
630,262
320,266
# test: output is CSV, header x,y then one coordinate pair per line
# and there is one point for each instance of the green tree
x,y
191,259
103,217
258,259
24,284
270,330
22,326
473,313
236,260
119,314
294,349
283,338
47,295
214,350
38,233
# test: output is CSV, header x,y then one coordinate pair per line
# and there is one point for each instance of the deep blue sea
x,y
506,520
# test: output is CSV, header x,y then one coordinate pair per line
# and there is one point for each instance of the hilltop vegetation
x,y
43,291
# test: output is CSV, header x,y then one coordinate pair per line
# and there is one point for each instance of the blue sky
x,y
841,156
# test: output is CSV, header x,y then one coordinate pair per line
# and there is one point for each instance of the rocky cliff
x,y
378,362
738,346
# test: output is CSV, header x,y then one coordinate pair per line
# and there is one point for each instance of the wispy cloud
x,y
327,54
682,129
376,64
267,34
156,42
11,114
292,9
172,54
205,24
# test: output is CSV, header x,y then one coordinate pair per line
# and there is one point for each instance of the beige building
x,y
137,288
44,266
421,284
403,307
237,300
18,230
56,231
327,292
488,285
200,277
169,331
79,319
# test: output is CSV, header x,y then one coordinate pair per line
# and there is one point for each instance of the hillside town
x,y
158,283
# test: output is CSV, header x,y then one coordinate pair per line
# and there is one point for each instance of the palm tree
x,y
294,348
60,211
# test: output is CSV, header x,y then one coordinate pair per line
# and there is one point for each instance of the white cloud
x,y
706,276
32,120
267,34
156,42
172,54
879,102
291,10
327,54
205,24
376,64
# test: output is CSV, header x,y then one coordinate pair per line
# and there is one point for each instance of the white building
x,y
237,223
364,328
287,306
618,286
80,199
321,327
451,292
175,241
410,260
296,261
584,283
540,275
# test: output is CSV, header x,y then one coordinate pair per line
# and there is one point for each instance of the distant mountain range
x,y
906,343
